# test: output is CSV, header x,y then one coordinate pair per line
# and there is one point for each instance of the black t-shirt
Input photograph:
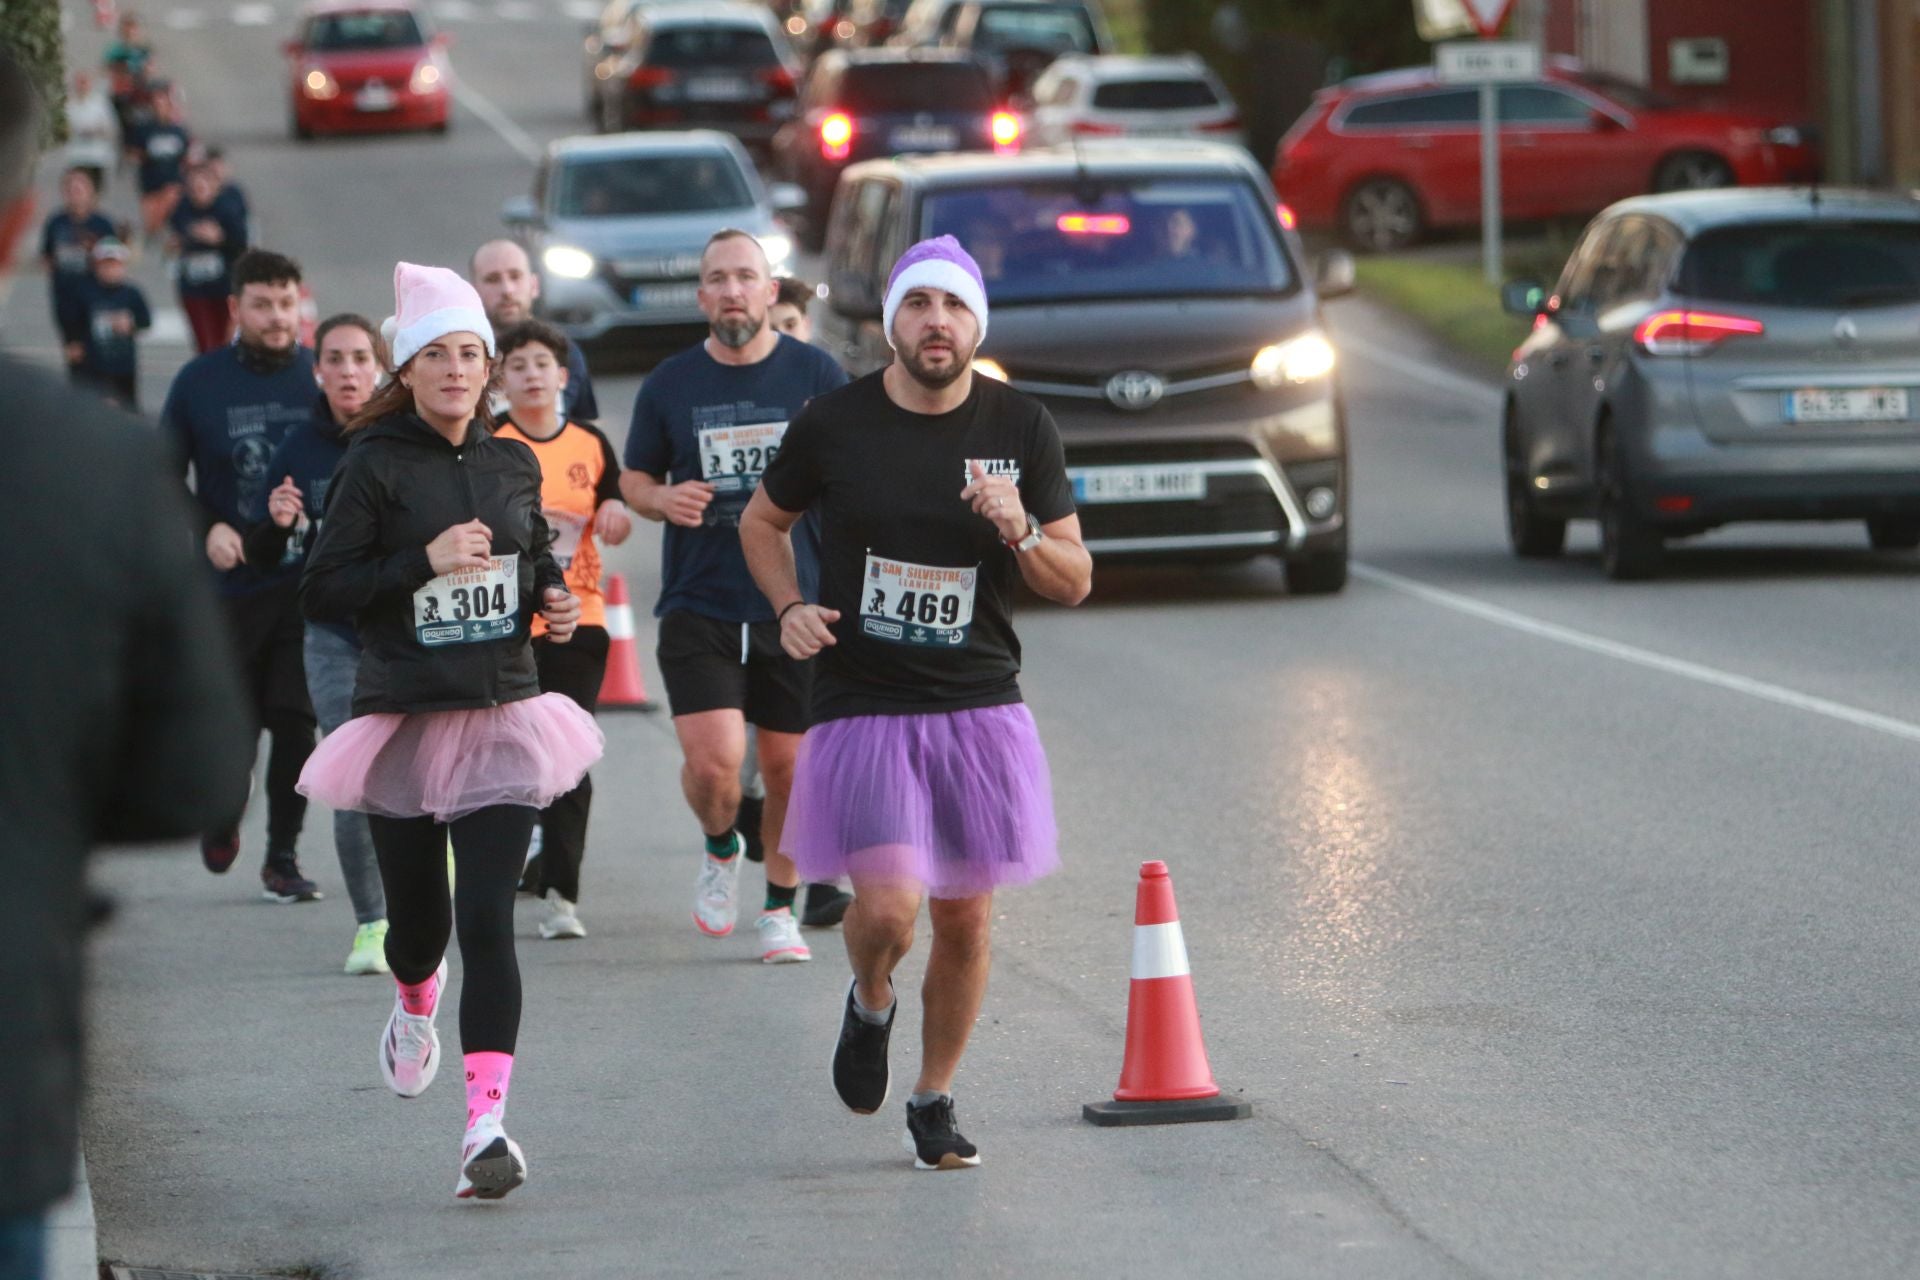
x,y
923,585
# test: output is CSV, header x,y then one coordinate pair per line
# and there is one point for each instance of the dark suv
x,y
867,103
1018,39
1148,296
713,66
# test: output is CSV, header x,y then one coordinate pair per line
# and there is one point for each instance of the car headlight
x,y
990,369
567,262
426,78
778,248
1786,135
319,85
1294,361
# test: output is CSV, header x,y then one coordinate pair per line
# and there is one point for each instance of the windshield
x,y
374,29
1154,95
1820,266
917,86
631,186
712,46
1032,26
1115,239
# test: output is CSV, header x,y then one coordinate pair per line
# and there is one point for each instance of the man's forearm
x,y
769,552
639,489
1058,569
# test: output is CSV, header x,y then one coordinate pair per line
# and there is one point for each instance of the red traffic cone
x,y
621,689
1165,1078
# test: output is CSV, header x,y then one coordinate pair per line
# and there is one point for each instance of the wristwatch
x,y
1033,537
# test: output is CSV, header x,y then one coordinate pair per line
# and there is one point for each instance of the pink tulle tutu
x,y
448,764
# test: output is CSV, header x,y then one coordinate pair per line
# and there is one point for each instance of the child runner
x,y
209,236
108,313
580,497
434,546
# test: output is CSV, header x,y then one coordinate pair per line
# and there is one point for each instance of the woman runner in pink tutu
x,y
434,547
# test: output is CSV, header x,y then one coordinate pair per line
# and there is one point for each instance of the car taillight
x,y
778,79
649,77
1093,224
1005,128
1094,128
836,136
1221,126
1679,333
1286,217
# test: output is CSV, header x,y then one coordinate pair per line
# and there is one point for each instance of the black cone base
x,y
1111,1113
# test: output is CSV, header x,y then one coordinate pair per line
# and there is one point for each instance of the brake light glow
x,y
1095,128
1094,224
649,77
1005,127
1221,126
1674,333
1673,504
779,79
1287,219
836,136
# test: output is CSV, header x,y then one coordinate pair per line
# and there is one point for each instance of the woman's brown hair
x,y
395,396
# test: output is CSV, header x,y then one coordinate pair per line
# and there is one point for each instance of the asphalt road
x,y
1554,927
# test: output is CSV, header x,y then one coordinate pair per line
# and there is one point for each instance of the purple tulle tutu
x,y
955,803
448,764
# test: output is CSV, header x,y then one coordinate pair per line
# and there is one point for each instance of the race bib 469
x,y
916,603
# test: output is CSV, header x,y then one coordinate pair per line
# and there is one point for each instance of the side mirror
x,y
1523,298
787,197
1334,275
519,211
1606,122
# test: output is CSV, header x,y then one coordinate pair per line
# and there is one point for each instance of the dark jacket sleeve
x,y
347,571
183,742
546,570
264,542
608,490
584,407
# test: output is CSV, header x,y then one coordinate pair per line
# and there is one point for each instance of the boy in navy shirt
x,y
66,250
107,312
209,234
160,149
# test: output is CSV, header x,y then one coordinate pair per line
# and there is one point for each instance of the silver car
x,y
1718,356
616,225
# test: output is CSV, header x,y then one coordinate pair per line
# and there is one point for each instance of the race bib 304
x,y
469,605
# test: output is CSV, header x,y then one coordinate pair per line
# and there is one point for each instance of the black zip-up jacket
x,y
401,486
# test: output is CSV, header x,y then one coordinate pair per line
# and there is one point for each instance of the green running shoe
x,y
369,954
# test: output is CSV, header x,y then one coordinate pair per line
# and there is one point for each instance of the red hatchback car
x,y
1383,158
360,67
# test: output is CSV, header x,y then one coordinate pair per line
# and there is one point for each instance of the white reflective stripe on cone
x,y
1159,951
619,622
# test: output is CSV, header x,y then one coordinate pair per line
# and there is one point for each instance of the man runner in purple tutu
x,y
922,775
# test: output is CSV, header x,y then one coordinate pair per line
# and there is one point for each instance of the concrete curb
x,y
73,1245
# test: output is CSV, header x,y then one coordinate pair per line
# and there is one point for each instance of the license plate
x,y
1850,404
926,137
716,89
1137,484
666,297
375,97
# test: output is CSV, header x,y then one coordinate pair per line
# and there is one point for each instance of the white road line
x,y
581,10
454,10
515,11
497,120
253,15
1697,672
1480,393
185,19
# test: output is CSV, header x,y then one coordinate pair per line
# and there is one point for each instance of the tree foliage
x,y
31,28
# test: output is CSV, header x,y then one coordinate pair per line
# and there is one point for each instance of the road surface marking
x,y
252,15
1420,371
454,10
185,19
497,120
1698,672
515,11
581,10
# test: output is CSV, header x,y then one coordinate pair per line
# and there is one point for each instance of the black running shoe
x,y
219,850
826,905
860,1073
746,820
283,882
933,1139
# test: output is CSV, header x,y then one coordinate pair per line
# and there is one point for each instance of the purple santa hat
x,y
939,263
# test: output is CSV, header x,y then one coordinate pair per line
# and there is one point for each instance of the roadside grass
x,y
1451,298
1127,20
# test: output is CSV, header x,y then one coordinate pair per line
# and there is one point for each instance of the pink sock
x,y
418,998
487,1076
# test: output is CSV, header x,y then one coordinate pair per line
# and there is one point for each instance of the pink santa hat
x,y
429,303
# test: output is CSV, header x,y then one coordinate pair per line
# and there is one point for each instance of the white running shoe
x,y
491,1163
561,921
780,940
716,899
410,1047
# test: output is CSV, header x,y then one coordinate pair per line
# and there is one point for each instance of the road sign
x,y
1484,61
1488,15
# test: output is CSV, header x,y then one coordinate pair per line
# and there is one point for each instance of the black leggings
x,y
489,848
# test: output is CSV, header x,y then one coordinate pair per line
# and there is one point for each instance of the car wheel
x,y
1692,171
1630,548
1534,536
1381,214
1317,575
1893,533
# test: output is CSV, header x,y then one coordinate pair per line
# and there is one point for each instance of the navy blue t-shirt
x,y
163,154
206,270
698,419
224,420
91,313
578,404
67,244
310,454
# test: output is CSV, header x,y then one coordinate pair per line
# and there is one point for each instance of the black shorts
x,y
269,639
709,665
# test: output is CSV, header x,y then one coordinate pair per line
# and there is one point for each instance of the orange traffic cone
x,y
621,688
1165,1078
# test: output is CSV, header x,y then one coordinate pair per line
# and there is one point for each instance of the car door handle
x,y
1596,355
1556,360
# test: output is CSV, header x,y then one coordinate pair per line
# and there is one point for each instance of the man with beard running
x,y
507,286
226,413
922,775
705,426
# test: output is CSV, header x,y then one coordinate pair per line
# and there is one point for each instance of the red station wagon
x,y
1381,159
